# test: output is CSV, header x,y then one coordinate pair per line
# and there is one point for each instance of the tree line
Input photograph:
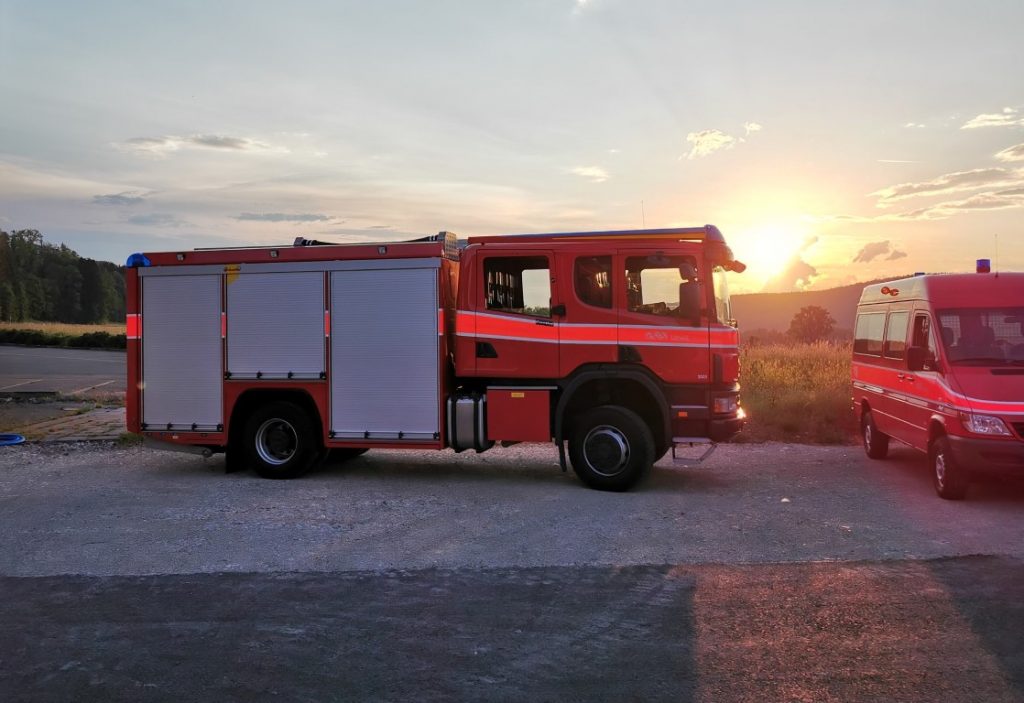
x,y
47,283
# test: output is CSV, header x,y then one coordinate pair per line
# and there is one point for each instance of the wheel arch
x,y
253,398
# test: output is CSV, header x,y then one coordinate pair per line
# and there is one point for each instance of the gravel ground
x,y
96,510
773,573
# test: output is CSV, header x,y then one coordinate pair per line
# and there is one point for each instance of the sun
x,y
767,249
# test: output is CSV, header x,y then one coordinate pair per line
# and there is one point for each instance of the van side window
x,y
923,338
867,339
896,335
593,280
518,284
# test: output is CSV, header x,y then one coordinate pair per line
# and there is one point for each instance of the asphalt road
x,y
775,572
67,371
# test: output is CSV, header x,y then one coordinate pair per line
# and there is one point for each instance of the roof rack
x,y
705,233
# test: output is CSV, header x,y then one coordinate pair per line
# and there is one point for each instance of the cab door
x,y
655,330
516,333
588,333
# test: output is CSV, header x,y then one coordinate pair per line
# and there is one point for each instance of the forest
x,y
48,283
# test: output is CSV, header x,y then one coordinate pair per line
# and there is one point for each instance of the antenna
x,y
997,254
643,215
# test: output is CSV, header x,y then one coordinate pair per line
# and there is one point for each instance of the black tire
x,y
949,476
280,441
611,448
876,443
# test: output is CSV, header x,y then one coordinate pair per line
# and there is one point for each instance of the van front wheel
x,y
876,444
948,475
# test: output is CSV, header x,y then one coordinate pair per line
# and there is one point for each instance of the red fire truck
x,y
938,364
619,344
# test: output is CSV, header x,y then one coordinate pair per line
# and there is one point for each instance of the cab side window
x,y
922,337
867,339
896,335
518,284
592,276
666,286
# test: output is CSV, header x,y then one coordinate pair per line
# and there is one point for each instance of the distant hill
x,y
774,311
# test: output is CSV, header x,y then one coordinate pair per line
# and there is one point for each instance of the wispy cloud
x,y
283,217
872,251
161,146
1013,153
709,141
157,219
127,198
950,183
914,125
896,255
896,161
1009,117
595,174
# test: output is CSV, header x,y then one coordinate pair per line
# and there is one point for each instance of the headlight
x,y
984,424
725,404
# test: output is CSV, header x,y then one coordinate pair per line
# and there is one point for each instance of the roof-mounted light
x,y
136,260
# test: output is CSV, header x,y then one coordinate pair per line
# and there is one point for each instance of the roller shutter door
x,y
182,352
384,354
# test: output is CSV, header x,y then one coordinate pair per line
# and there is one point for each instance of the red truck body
x,y
617,343
938,364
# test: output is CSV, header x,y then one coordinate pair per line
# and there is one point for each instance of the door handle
x,y
545,323
908,378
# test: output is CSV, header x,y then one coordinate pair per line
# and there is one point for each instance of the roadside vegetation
x,y
57,334
797,392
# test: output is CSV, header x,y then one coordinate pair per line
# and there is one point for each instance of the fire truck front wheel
x,y
611,448
280,441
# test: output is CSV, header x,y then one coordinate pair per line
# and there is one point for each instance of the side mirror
x,y
918,357
689,301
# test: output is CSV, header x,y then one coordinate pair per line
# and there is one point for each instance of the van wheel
x,y
948,475
876,444
280,441
611,448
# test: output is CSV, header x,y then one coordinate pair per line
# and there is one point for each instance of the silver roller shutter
x,y
384,354
276,325
181,352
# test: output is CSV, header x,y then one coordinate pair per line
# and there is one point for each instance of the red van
x,y
938,363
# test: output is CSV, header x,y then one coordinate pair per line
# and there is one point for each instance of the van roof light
x,y
984,266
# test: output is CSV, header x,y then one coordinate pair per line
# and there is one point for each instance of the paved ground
x,y
776,572
80,424
67,371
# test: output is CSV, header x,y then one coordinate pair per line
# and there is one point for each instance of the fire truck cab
x,y
938,364
619,344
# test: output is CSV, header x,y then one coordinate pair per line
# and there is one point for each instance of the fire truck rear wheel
x,y
611,448
280,441
876,444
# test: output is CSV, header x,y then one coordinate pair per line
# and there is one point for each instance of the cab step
x,y
691,442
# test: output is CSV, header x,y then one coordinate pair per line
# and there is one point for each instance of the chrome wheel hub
x,y
606,450
276,441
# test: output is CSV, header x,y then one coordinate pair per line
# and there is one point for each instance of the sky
x,y
831,142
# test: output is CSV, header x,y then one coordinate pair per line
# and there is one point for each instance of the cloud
x,y
896,161
1013,153
950,183
127,198
872,251
797,274
157,219
914,125
283,217
594,173
751,127
708,142
896,255
161,146
1007,118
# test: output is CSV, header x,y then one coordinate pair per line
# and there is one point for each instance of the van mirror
x,y
918,357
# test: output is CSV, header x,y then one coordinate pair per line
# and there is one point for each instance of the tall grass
x,y
797,392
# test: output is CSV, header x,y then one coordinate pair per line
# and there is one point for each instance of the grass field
x,y
62,328
797,393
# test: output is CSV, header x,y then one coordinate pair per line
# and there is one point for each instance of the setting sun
x,y
768,251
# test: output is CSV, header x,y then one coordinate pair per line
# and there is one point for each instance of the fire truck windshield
x,y
722,305
983,336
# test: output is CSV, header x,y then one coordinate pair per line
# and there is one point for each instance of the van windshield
x,y
983,336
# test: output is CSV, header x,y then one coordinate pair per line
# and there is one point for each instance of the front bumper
x,y
724,430
1000,456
